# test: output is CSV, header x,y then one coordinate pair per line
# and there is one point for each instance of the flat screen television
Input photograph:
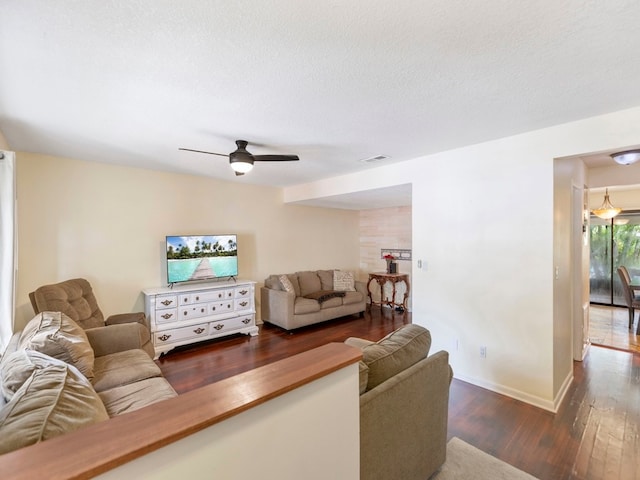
x,y
201,257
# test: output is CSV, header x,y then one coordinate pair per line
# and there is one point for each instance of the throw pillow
x,y
53,400
56,335
343,281
287,286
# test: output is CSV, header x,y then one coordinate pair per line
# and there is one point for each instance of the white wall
x,y
108,224
310,433
489,279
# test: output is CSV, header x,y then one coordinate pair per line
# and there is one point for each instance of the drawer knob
x,y
244,304
244,292
166,303
246,320
198,330
164,337
219,326
167,316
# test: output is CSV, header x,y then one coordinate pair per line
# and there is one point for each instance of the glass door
x,y
614,242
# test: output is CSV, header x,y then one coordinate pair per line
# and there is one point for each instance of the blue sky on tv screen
x,y
191,241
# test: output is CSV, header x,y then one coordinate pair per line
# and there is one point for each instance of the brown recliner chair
x,y
75,299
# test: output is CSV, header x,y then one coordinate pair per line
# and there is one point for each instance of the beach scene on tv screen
x,y
198,257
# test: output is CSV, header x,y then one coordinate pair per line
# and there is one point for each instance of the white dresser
x,y
191,313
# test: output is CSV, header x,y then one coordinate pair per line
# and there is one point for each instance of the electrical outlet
x,y
483,351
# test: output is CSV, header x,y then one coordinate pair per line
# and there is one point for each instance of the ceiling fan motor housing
x,y
241,161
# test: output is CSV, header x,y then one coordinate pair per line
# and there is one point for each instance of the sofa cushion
x,y
56,335
123,368
343,281
309,283
17,367
55,399
395,352
127,398
326,279
352,297
305,305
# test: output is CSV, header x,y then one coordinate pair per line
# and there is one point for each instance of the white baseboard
x,y
551,406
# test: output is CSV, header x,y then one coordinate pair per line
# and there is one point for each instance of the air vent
x,y
377,158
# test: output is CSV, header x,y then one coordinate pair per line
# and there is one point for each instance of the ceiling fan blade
x,y
201,151
275,158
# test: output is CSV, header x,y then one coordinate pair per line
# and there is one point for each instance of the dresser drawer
x,y
166,315
194,311
242,304
242,292
166,301
177,334
205,296
220,307
231,324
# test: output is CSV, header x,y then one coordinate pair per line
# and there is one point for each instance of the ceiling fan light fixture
x,y
241,165
241,161
627,157
606,211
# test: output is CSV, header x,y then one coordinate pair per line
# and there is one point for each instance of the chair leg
x,y
631,315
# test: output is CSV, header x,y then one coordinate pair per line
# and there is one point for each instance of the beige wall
x,y
108,224
379,229
4,145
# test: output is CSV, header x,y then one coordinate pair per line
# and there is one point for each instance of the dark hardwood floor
x,y
595,434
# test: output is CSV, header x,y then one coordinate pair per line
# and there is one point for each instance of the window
x,y
614,242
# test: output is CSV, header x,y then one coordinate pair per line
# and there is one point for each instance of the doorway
x,y
613,242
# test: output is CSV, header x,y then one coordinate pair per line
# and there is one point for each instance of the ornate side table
x,y
381,278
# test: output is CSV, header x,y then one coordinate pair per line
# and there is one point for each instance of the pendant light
x,y
606,210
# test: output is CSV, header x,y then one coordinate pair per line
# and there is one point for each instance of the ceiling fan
x,y
242,161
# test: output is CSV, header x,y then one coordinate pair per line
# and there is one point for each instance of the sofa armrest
x,y
118,338
136,317
276,305
406,417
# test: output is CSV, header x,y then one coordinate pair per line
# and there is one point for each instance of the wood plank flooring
x,y
609,327
595,435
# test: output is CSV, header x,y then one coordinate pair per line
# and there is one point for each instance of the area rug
x,y
467,462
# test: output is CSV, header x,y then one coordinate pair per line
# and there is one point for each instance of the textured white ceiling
x,y
130,81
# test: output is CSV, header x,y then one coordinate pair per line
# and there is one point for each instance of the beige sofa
x,y
56,377
298,299
404,398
